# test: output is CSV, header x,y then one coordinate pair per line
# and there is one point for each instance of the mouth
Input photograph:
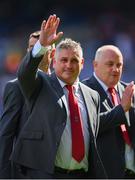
x,y
68,72
115,75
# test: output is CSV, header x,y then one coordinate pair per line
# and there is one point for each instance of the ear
x,y
82,63
123,68
54,62
94,63
52,53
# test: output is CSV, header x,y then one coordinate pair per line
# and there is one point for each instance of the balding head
x,y
108,64
107,50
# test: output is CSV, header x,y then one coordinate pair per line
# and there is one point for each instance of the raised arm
x,y
29,80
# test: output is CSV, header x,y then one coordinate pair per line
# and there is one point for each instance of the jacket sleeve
x,y
109,119
12,105
112,118
28,75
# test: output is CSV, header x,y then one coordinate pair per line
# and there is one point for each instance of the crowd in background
x,y
83,21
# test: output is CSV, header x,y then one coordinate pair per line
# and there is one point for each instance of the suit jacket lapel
x,y
103,95
120,89
59,91
56,85
88,102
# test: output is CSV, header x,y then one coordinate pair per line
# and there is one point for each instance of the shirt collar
x,y
103,84
76,84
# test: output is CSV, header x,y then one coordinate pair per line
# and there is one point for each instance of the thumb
x,y
58,36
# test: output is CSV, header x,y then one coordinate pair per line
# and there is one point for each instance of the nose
x,y
69,64
115,68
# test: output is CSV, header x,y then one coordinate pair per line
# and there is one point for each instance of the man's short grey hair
x,y
69,44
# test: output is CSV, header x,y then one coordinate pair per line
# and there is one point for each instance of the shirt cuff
x,y
39,50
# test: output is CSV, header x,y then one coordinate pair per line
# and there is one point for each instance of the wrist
x,y
44,49
39,50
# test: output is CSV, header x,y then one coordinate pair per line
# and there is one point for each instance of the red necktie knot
x,y
69,87
112,91
113,95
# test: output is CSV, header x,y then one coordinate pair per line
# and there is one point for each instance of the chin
x,y
68,81
115,83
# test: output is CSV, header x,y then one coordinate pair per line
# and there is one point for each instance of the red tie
x,y
76,126
115,101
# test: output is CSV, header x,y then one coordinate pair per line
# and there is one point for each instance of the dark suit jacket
x,y
110,142
13,117
39,139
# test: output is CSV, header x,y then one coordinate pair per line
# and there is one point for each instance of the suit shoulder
x,y
89,82
12,88
94,92
91,94
13,84
86,81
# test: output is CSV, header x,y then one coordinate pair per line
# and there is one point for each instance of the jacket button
x,y
63,123
57,144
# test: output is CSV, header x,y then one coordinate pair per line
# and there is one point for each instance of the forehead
x,y
111,55
32,40
68,52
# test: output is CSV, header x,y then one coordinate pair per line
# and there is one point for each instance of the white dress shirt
x,y
64,157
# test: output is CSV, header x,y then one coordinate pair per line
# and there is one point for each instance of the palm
x,y
49,34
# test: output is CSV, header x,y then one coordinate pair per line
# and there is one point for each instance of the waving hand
x,y
49,34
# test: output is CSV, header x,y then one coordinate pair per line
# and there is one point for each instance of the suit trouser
x,y
22,172
59,175
129,174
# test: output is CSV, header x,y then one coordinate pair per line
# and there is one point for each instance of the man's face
x,y
68,65
32,42
109,67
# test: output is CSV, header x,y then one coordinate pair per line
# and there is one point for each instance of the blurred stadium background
x,y
91,22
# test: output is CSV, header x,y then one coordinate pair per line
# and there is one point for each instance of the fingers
x,y
43,25
52,21
49,21
132,82
57,23
127,96
59,35
129,91
47,24
131,88
49,34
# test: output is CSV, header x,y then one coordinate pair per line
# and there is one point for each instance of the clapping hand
x,y
127,96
